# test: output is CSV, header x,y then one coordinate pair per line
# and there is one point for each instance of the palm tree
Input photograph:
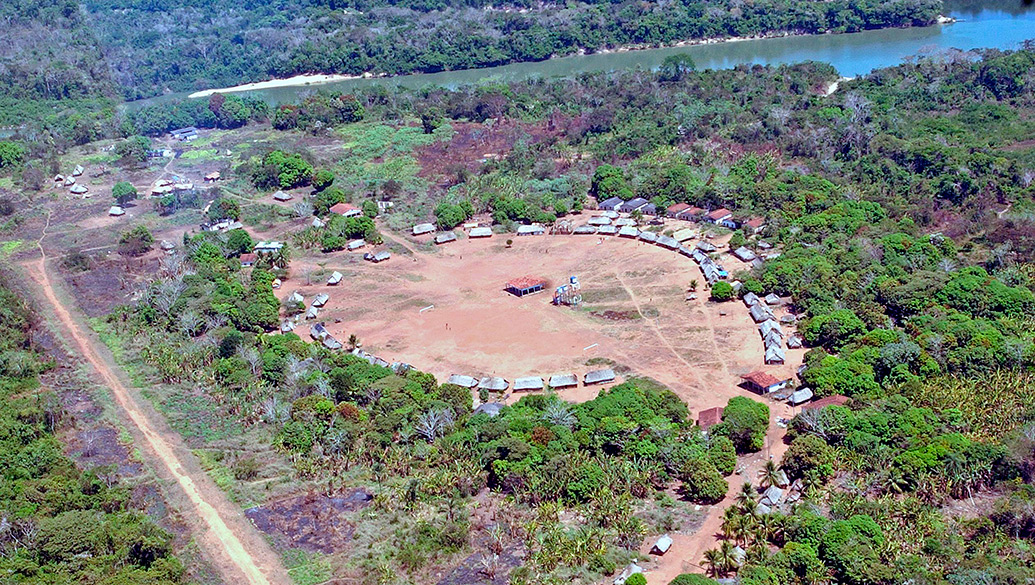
x,y
353,341
713,562
731,523
770,474
727,557
747,492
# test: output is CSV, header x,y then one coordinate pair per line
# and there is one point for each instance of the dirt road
x,y
233,546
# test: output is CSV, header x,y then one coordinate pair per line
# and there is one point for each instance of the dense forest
x,y
55,49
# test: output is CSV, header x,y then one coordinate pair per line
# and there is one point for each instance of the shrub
x,y
722,454
702,482
722,291
123,192
636,579
136,241
692,579
245,469
745,422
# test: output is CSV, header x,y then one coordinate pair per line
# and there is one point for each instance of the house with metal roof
x,y
599,220
318,331
599,377
445,237
667,242
649,237
684,235
607,230
423,228
584,230
356,244
744,254
321,299
281,196
528,384
775,355
759,313
563,380
800,396
750,299
480,232
493,384
661,545
489,409
462,380
771,325
334,278
634,204
610,204
706,246
531,230
312,313
719,216
331,343
628,232
377,257
287,326
772,300
624,221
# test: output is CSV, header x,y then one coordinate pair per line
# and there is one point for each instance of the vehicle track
x,y
234,547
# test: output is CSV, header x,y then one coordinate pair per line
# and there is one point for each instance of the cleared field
x,y
634,315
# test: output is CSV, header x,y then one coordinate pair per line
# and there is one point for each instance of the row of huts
x,y
532,383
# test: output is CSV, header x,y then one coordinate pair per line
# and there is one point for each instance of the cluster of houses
x,y
617,204
166,186
474,231
770,328
721,216
528,384
69,181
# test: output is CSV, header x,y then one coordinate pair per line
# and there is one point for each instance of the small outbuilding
x,y
489,409
835,400
312,313
661,545
356,244
248,259
480,232
334,278
78,190
282,196
801,396
116,211
584,230
708,418
526,285
599,377
684,235
321,299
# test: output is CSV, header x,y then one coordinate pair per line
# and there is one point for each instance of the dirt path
x,y
233,545
657,330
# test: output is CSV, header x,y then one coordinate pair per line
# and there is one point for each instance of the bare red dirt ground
x,y
476,328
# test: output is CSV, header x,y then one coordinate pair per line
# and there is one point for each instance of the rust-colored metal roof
x,y
525,282
709,418
761,379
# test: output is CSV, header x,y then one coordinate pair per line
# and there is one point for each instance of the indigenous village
x,y
760,325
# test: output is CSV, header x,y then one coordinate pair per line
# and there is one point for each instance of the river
x,y
1002,24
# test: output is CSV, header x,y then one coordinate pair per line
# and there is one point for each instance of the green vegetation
x,y
61,523
123,192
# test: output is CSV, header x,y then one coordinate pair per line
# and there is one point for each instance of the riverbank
x,y
304,79
316,79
